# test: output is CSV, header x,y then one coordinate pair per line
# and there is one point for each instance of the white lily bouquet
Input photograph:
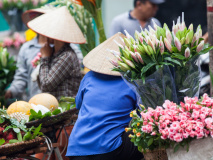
x,y
161,64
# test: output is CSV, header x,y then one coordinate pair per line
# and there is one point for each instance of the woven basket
x,y
16,148
49,121
157,154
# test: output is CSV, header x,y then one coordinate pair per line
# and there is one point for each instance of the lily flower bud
x,y
168,45
4,57
129,63
182,41
150,49
146,49
134,56
169,36
187,52
127,42
151,44
200,46
114,63
140,49
151,30
126,54
119,44
135,48
139,57
177,44
124,67
161,45
127,34
175,30
191,27
137,34
155,25
189,37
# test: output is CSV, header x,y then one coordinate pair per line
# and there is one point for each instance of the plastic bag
x,y
187,79
158,87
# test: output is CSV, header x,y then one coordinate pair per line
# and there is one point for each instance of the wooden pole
x,y
210,39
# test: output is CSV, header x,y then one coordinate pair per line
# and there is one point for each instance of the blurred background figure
x,y
27,53
141,16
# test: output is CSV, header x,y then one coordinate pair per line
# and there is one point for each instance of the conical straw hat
x,y
97,60
58,25
33,13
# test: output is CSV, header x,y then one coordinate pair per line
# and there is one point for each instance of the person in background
x,y
140,17
29,50
104,101
22,79
59,72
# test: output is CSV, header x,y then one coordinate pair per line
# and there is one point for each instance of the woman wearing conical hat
x,y
59,73
104,101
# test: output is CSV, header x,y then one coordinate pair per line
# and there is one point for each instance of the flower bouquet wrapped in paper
x,y
161,64
175,126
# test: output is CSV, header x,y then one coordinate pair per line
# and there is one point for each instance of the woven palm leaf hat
x,y
97,60
33,13
58,25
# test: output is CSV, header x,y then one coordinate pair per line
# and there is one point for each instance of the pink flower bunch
x,y
194,119
36,60
16,41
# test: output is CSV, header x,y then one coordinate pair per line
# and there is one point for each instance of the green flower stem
x,y
100,25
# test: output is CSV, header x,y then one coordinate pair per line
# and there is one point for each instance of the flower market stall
x,y
162,67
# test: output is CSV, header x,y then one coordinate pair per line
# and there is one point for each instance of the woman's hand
x,y
46,50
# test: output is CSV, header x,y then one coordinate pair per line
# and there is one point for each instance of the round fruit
x,y
45,99
19,106
19,110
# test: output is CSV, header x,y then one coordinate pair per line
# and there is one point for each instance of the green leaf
x,y
173,60
165,63
19,136
17,130
205,50
2,119
178,55
147,67
27,136
39,115
7,128
150,142
13,141
47,114
37,130
176,147
2,141
56,111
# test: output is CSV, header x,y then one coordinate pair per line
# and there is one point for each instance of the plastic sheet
x,y
187,79
157,88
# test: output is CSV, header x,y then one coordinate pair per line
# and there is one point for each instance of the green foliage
x,y
7,71
19,128
21,5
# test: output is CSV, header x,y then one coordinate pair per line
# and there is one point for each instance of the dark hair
x,y
135,1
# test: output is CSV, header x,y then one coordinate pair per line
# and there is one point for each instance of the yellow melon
x,y
45,99
19,110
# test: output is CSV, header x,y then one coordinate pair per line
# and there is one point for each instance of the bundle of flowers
x,y
158,61
21,4
172,125
15,41
36,61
